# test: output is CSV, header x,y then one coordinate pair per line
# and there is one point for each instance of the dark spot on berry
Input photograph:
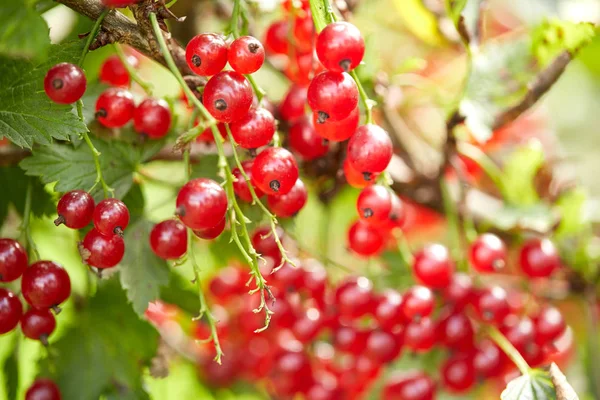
x,y
367,212
221,105
322,117
196,60
253,48
487,315
367,176
57,83
252,152
56,309
345,64
118,231
325,142
180,211
275,185
101,113
393,217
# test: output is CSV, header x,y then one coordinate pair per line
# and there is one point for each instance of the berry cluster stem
x,y
146,86
92,36
508,349
235,213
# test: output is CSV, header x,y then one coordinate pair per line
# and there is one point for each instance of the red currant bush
x,y
75,209
254,130
13,260
11,310
115,107
111,217
539,258
433,266
340,47
305,141
246,55
240,186
38,325
365,239
44,389
168,239
289,204
488,253
227,96
201,204
370,150
275,171
65,83
45,284
332,95
337,131
152,118
206,54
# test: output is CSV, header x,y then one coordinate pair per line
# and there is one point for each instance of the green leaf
x,y
27,115
23,32
74,168
182,383
572,212
105,351
320,17
539,217
519,173
11,375
135,202
420,21
142,273
534,386
14,178
554,36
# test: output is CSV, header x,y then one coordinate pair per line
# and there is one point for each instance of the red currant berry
x,y
397,213
354,297
355,178
458,374
370,150
246,55
350,339
332,95
13,260
65,83
456,331
383,347
489,361
230,282
275,171
213,232
340,47
10,311
289,204
293,104
45,284
114,107
365,239
337,131
519,332
549,325
539,258
102,251
75,209
152,118
374,204
288,277
492,305
227,96
433,266
308,325
305,141
488,253
206,54
201,204
118,3
420,336
276,38
240,186
207,135
460,291
168,239
291,373
409,386
44,389
114,73
289,5
111,217
254,130
388,312
264,242
304,33
302,67
418,303
38,325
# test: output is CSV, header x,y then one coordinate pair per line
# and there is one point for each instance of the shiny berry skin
x,y
293,104
275,171
11,310
308,325
114,73
65,83
539,258
357,179
114,107
102,251
240,187
488,253
227,96
350,339
276,38
340,47
365,239
45,284
549,325
383,346
254,130
418,303
289,204
433,266
229,282
213,232
302,67
489,361
420,336
409,386
458,373
332,95
337,131
388,311
374,204
206,54
246,55
168,239
201,204
456,331
305,141
460,291
13,260
38,324
44,389
152,118
492,305
75,209
264,242
354,297
370,149
111,217
304,33
519,331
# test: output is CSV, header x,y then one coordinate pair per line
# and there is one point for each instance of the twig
x,y
508,349
146,86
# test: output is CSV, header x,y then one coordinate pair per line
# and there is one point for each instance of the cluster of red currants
x,y
333,342
43,389
44,286
103,246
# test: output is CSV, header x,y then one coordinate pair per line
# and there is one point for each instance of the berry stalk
x,y
146,86
25,224
508,349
